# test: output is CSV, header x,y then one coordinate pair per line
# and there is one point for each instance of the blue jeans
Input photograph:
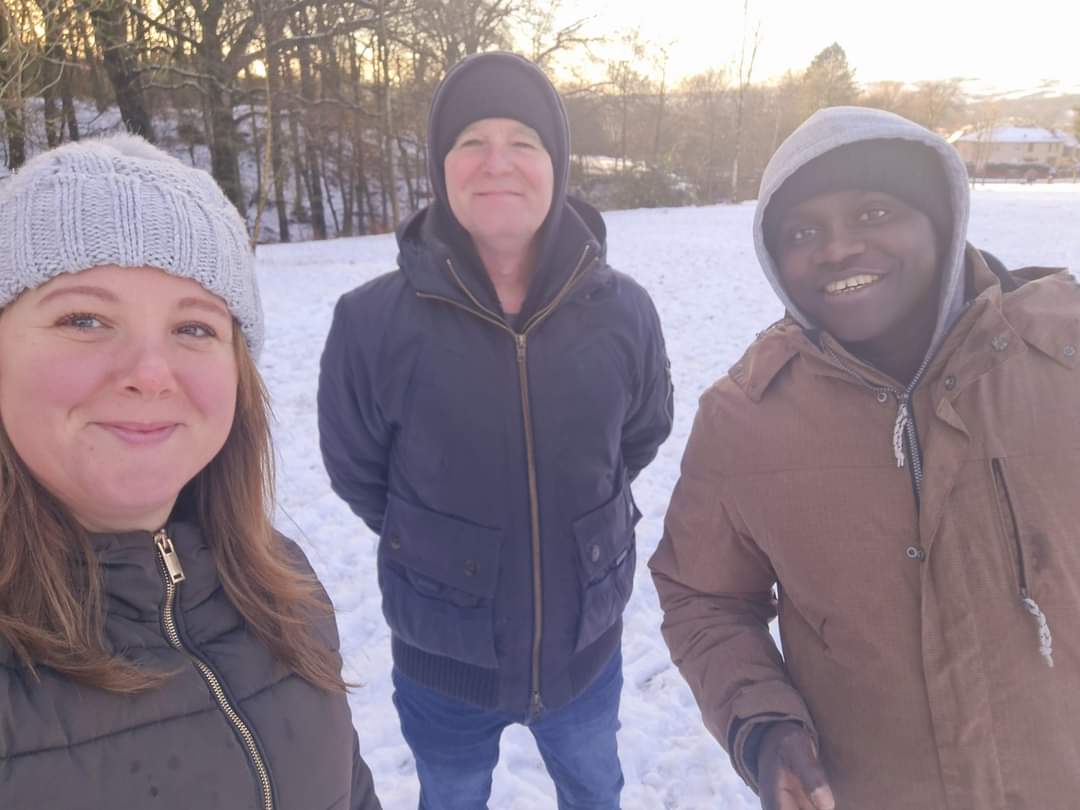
x,y
456,746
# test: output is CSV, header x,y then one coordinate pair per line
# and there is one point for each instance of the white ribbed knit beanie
x,y
121,201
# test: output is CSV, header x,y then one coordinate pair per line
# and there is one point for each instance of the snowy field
x,y
699,266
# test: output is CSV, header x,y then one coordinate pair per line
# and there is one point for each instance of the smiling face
x,y
117,386
863,266
499,181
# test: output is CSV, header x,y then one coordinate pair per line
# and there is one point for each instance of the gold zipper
x,y
536,706
172,573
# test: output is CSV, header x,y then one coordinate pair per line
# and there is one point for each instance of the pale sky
x,y
1005,44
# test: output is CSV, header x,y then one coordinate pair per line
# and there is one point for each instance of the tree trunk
x,y
224,139
277,161
311,152
68,104
388,116
299,176
110,29
11,97
84,44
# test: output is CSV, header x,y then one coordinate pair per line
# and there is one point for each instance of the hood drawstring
x,y
903,417
1046,641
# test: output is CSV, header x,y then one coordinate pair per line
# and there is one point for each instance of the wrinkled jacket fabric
x,y
907,649
67,746
425,414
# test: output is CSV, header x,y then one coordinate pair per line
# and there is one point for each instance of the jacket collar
x,y
434,267
995,326
132,575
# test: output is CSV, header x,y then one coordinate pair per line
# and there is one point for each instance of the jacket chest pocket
x,y
606,548
1038,510
438,576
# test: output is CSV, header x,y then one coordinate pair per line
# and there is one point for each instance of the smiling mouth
x,y
846,286
140,433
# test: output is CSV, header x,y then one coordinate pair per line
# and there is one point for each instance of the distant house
x,y
1015,146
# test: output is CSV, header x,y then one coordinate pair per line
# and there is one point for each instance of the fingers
x,y
790,794
804,767
790,776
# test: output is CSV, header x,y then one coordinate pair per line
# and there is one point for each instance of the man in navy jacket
x,y
484,409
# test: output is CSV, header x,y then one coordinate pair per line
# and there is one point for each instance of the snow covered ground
x,y
699,266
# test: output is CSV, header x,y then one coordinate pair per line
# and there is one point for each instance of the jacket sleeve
x,y
649,418
715,588
363,785
353,435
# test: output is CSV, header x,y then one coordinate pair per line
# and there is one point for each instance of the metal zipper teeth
x,y
1003,487
536,704
520,342
171,575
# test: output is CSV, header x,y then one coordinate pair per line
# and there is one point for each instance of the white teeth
x,y
851,284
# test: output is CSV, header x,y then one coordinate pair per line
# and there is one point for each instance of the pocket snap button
x,y
395,543
1069,351
950,382
470,568
594,553
915,553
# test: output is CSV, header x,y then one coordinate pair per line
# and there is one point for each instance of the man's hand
x,y
789,774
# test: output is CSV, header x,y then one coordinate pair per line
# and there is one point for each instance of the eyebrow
x,y
519,130
203,304
80,289
103,294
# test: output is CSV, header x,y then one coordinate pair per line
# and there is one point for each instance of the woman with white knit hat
x,y
160,644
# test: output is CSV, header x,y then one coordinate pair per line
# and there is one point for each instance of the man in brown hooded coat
x,y
900,458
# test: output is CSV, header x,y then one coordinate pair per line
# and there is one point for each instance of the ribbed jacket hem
x,y
456,679
480,687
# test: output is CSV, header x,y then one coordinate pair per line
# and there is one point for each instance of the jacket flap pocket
x,y
605,535
444,548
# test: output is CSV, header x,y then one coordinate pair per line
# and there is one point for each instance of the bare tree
x,y
936,101
15,60
627,84
110,20
887,95
748,49
545,37
452,29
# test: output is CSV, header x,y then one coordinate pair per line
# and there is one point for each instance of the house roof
x,y
1012,135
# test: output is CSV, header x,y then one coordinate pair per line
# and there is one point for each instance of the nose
x,y
147,372
840,244
497,159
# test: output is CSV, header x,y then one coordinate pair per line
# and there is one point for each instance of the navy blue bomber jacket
x,y
494,458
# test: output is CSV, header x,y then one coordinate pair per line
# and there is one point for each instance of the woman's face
x,y
117,386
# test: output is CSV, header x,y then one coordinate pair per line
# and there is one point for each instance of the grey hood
x,y
833,127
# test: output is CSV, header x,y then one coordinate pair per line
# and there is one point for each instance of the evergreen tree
x,y
829,80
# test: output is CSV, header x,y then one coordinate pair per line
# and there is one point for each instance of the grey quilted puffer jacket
x,y
232,729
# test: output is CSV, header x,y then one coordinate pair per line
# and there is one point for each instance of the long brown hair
x,y
52,610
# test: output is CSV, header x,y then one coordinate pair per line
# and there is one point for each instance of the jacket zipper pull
x,y
169,556
1046,640
537,705
520,341
899,428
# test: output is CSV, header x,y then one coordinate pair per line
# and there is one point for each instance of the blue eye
x,y
84,321
198,330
